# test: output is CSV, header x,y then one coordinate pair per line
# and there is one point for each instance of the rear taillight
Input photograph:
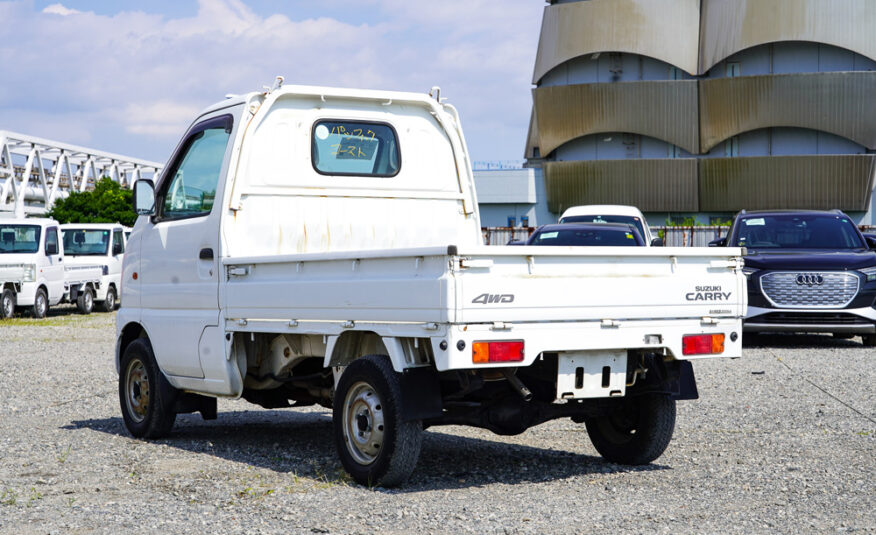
x,y
702,344
483,352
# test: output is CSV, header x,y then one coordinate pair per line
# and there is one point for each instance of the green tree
x,y
107,203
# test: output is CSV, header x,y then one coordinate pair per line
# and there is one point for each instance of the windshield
x,y
19,238
794,231
85,241
604,237
625,219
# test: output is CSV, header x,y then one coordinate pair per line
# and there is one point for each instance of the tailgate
x,y
524,284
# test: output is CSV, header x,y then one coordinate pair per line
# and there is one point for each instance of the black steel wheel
x,y
145,396
109,304
375,445
635,433
40,304
85,301
7,303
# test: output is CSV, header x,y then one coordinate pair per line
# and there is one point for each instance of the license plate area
x,y
591,374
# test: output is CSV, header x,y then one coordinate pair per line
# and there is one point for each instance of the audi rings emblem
x,y
810,279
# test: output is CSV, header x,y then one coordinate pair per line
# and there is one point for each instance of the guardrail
x,y
695,236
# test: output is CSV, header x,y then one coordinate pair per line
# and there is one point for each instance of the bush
x,y
107,203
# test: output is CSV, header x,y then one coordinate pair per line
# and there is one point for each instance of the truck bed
x,y
489,284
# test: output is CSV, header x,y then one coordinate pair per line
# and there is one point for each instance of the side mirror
x,y
656,242
51,249
871,241
720,242
144,197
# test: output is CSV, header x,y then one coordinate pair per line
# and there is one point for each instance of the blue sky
x,y
127,77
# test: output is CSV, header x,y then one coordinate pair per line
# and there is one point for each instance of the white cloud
x,y
141,77
59,9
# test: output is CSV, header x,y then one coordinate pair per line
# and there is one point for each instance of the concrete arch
x,y
667,30
730,26
839,103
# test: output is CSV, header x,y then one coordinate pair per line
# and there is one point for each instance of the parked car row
x,y
44,263
806,270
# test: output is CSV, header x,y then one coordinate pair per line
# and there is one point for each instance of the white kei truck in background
x,y
94,254
31,266
311,245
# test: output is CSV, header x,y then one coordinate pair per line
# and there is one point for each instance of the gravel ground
x,y
781,441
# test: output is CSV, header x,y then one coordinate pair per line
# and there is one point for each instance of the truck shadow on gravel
x,y
302,444
799,340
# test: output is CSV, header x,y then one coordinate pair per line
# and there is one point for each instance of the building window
x,y
734,69
731,147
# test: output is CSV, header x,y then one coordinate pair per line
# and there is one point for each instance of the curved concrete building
x,y
704,107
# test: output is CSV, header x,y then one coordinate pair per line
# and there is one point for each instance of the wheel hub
x,y
363,423
137,398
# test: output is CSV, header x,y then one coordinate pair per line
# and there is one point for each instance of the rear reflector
x,y
702,344
483,352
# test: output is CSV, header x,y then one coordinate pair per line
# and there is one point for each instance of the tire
x,y
637,433
843,336
85,301
375,446
145,396
40,304
869,340
109,304
7,303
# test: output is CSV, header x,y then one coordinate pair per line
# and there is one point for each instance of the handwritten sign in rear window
x,y
355,148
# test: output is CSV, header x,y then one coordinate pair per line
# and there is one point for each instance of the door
x,y
53,269
179,273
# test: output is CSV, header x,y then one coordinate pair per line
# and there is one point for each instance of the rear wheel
x,y
375,445
85,301
7,303
109,304
637,432
40,304
145,395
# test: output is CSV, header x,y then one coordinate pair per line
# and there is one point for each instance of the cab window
x,y
194,175
355,148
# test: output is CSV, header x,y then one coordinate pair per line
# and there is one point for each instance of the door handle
x,y
206,254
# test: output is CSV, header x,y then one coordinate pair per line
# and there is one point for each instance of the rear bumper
x,y
593,336
845,320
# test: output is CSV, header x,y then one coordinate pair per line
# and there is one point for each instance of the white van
x,y
94,245
612,213
31,266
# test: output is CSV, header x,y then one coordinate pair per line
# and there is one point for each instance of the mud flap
x,y
421,394
687,383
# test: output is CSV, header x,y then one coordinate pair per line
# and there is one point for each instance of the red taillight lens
x,y
482,352
702,344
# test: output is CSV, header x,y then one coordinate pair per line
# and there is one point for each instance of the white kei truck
x,y
94,254
31,266
309,245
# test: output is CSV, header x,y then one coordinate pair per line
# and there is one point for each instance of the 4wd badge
x,y
486,299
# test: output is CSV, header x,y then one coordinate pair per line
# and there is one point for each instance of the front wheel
x,y
7,303
109,304
145,395
375,445
637,432
85,301
40,304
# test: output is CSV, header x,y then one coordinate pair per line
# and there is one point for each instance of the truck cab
x,y
31,266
